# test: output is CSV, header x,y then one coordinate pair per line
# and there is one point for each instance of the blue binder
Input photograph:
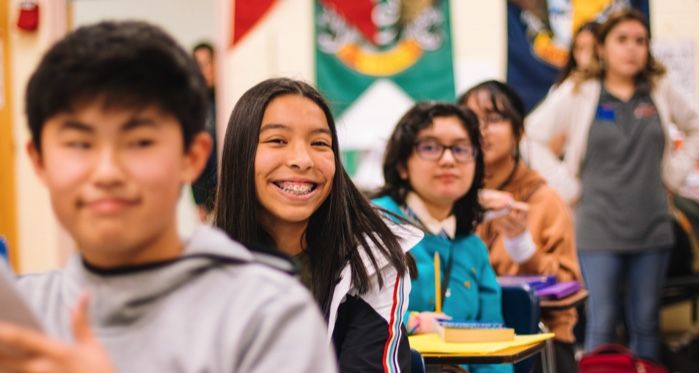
x,y
3,247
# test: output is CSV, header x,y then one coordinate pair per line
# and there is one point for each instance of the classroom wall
x,y
479,32
40,238
272,49
188,21
675,20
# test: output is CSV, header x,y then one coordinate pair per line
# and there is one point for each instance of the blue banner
x,y
538,36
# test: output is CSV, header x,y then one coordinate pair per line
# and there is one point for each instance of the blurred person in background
x,y
616,170
535,236
204,187
580,55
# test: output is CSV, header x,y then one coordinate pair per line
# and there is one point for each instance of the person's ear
x,y
599,48
196,155
402,171
36,159
519,134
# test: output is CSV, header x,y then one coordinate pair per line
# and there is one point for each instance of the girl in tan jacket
x,y
536,237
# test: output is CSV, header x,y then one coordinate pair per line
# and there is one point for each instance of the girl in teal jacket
x,y
472,293
433,169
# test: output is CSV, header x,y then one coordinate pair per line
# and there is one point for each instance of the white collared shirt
x,y
434,226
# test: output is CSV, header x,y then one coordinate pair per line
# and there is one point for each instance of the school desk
x,y
437,353
570,301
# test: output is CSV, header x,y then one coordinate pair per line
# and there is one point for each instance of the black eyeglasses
x,y
432,150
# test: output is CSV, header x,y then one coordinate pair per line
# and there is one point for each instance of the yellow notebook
x,y
433,344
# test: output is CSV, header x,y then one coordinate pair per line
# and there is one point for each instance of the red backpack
x,y
613,358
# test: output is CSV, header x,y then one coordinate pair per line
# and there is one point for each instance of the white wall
x,y
479,29
40,237
280,45
189,21
676,20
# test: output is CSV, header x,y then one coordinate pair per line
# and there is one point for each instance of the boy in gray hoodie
x,y
116,112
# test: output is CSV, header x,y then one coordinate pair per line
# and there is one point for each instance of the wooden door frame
x,y
8,197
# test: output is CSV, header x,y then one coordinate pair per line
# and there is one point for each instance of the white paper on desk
x,y
13,308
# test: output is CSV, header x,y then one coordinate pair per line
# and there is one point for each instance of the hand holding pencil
x,y
425,322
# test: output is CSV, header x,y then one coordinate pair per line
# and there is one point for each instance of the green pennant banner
x,y
407,42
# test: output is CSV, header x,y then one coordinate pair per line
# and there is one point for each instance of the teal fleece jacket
x,y
472,293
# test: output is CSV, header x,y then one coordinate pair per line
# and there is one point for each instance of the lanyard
x,y
447,275
412,216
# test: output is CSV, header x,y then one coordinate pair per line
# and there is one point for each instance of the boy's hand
x,y
25,350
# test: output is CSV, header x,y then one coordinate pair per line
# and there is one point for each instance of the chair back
x,y
682,281
520,311
417,363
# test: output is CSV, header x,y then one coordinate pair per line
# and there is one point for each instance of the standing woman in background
x,y
617,166
539,240
282,185
433,169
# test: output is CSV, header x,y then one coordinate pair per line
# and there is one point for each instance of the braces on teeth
x,y
297,188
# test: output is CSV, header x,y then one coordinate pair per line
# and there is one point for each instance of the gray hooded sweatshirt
x,y
214,309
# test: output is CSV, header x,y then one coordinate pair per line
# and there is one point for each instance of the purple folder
x,y
534,281
558,290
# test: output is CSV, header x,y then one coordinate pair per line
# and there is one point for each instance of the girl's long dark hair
x,y
342,226
467,209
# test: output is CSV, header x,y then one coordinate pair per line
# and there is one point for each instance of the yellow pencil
x,y
437,284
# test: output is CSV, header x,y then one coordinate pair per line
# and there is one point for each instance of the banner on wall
x,y
246,14
374,58
539,33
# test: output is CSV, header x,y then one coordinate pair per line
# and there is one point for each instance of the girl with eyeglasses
x,y
433,169
535,236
